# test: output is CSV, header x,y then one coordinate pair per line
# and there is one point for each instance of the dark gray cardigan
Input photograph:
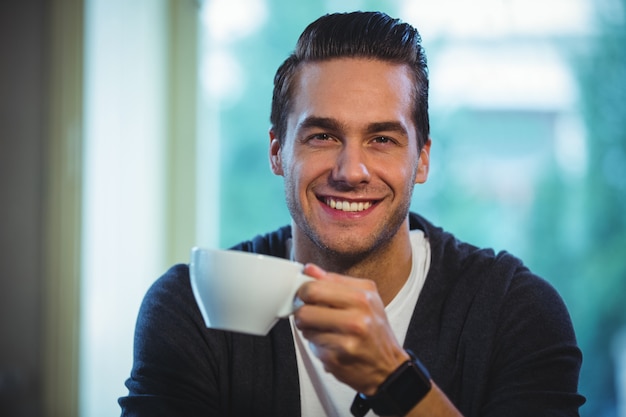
x,y
497,340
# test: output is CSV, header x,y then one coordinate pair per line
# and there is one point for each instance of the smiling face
x,y
350,156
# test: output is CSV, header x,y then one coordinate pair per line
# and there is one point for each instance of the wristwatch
x,y
398,394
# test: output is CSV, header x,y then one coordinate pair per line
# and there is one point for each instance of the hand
x,y
344,320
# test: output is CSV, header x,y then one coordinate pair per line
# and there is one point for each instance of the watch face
x,y
402,390
360,406
408,389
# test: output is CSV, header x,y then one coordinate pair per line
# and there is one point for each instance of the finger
x,y
339,296
338,291
320,274
314,271
331,320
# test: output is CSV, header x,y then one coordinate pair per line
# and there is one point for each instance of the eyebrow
x,y
329,123
387,127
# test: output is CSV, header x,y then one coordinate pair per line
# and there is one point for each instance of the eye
x,y
382,139
320,136
319,139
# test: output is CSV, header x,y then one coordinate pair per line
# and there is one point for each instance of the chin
x,y
350,250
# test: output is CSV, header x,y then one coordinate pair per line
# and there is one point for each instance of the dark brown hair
x,y
358,34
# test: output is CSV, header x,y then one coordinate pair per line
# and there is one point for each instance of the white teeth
x,y
348,206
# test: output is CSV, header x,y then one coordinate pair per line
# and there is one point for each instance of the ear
x,y
276,163
423,164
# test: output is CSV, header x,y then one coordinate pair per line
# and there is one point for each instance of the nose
x,y
351,166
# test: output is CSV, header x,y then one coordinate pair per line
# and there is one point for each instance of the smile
x,y
351,206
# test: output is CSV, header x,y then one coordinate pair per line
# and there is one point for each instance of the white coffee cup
x,y
242,291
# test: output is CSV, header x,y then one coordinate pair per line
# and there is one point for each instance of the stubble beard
x,y
344,253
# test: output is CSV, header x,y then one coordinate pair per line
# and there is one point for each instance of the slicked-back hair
x,y
372,35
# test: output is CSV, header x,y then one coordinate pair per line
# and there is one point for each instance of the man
x,y
402,318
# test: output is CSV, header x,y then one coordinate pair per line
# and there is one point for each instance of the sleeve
x,y
175,366
536,360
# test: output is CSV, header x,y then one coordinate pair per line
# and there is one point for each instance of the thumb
x,y
314,271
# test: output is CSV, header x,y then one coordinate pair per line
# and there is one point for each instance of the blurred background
x,y
132,130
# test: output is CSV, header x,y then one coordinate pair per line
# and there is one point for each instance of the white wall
x,y
124,230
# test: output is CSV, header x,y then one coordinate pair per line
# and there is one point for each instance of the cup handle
x,y
292,302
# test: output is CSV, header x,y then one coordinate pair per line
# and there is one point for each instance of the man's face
x,y
349,156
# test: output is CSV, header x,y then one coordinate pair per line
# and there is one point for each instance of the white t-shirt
x,y
321,395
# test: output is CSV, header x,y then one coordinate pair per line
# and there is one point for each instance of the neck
x,y
388,265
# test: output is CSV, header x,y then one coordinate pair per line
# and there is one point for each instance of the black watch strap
x,y
398,394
